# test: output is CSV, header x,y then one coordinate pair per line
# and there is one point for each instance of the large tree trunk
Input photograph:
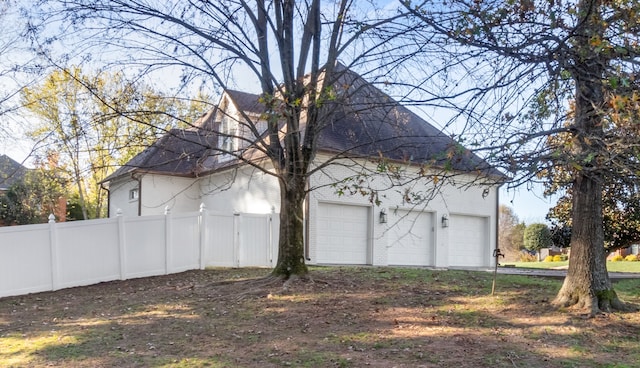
x,y
291,244
587,285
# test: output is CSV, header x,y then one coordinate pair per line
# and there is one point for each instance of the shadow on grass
x,y
349,317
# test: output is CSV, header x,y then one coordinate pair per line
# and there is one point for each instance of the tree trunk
x,y
291,244
587,285
81,198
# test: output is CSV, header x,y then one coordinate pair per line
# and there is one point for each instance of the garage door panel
x,y
343,232
468,241
410,239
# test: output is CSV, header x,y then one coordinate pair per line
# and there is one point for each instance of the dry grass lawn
x,y
346,317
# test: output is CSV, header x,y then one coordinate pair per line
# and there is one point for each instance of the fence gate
x,y
254,241
243,240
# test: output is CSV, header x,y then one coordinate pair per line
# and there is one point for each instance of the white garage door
x,y
410,238
343,233
469,239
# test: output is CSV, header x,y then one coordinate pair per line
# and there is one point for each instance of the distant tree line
x,y
518,240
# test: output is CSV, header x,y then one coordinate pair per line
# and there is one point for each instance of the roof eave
x,y
499,178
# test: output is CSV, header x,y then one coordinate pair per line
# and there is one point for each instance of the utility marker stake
x,y
497,255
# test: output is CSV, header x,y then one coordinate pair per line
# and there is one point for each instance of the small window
x,y
133,194
228,141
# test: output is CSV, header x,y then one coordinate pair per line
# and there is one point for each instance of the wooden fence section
x,y
35,258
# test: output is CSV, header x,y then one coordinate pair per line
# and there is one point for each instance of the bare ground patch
x,y
346,317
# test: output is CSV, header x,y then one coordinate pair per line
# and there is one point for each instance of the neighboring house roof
x,y
364,122
11,172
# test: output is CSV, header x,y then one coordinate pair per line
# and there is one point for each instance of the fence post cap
x,y
52,218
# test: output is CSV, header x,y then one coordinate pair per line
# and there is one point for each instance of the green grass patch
x,y
536,265
307,358
524,283
194,362
628,288
621,266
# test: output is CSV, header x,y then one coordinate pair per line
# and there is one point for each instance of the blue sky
x,y
528,203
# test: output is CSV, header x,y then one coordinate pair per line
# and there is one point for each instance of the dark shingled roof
x,y
179,152
367,122
247,102
363,122
11,172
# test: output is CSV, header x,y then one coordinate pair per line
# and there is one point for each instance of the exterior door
x,y
343,234
410,237
469,241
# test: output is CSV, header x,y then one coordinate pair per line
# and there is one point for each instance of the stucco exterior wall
x,y
249,190
457,199
119,197
156,192
245,189
161,191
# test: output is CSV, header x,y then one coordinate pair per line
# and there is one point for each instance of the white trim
x,y
134,194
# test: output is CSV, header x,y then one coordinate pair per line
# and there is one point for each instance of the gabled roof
x,y
362,121
246,102
179,152
10,172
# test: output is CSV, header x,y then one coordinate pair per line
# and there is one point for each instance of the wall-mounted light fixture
x,y
383,216
445,221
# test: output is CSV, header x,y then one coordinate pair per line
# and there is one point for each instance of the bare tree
x,y
529,70
510,236
292,50
16,63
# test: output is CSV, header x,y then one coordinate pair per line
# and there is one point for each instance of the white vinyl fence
x,y
53,256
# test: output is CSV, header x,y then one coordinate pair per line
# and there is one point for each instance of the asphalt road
x,y
558,273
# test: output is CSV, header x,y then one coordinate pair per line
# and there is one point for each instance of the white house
x,y
446,218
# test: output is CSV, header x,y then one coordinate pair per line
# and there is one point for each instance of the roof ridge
x,y
365,122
